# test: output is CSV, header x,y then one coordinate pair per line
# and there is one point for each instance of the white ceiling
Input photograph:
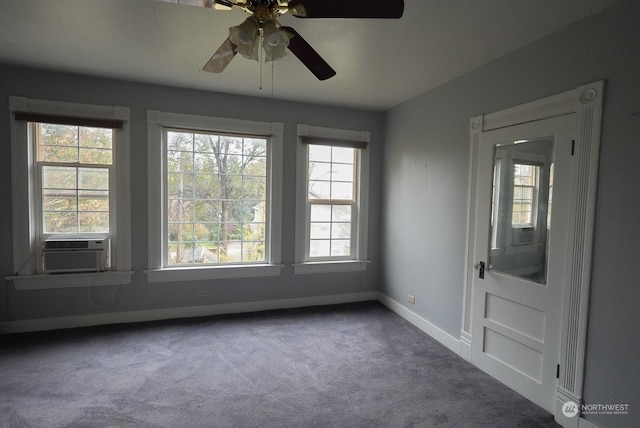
x,y
379,63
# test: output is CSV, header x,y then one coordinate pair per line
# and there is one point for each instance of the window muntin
x,y
331,201
74,165
215,198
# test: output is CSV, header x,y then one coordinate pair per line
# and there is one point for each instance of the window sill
x,y
213,272
70,280
330,267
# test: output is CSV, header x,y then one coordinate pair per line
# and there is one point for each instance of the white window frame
x,y
303,264
26,228
157,121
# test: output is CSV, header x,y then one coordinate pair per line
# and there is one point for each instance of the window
x,y
215,198
75,175
525,185
331,201
70,167
332,194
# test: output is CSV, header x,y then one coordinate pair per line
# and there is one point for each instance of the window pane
x,y
231,144
341,190
180,185
57,143
60,200
93,222
93,178
320,212
319,171
180,141
320,248
178,161
58,154
340,248
98,138
341,212
96,156
343,155
231,252
255,147
206,143
206,186
254,187
60,222
58,135
216,184
341,230
320,231
59,177
94,200
204,162
320,153
68,143
341,172
319,190
206,210
255,232
253,251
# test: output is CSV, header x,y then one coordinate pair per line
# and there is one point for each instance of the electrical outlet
x,y
411,299
201,293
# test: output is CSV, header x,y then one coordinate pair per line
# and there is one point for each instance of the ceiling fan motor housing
x,y
264,3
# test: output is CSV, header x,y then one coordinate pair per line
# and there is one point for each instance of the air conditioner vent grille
x,y
65,244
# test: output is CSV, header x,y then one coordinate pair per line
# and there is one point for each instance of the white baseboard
x,y
562,397
431,329
465,345
183,312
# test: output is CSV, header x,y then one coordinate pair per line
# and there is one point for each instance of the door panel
x,y
523,185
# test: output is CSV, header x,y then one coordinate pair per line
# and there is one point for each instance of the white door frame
x,y
586,101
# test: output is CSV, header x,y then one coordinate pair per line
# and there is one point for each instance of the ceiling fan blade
x,y
201,3
308,56
223,56
346,9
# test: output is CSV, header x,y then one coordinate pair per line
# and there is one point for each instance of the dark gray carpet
x,y
355,365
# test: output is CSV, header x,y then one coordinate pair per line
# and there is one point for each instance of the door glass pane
x,y
521,203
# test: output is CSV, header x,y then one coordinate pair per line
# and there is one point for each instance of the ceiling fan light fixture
x,y
244,33
245,36
275,41
272,36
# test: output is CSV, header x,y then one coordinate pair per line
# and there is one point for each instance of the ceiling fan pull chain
x,y
261,57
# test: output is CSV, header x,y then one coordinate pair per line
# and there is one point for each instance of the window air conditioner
x,y
72,254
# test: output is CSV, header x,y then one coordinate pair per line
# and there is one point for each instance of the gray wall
x,y
425,189
21,305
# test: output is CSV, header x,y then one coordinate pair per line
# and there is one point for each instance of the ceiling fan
x,y
263,29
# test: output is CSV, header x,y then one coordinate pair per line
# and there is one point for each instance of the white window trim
x,y
24,197
302,266
156,122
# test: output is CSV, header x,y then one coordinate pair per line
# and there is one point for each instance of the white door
x,y
522,228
